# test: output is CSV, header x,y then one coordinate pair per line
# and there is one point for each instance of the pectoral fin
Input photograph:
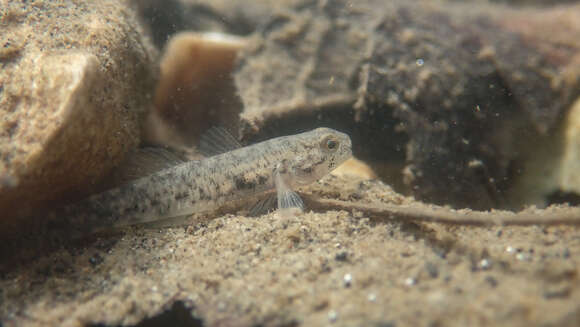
x,y
264,206
286,197
289,199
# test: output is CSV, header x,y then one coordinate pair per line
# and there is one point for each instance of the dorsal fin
x,y
159,158
217,140
143,162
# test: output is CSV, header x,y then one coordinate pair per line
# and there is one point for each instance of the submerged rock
x,y
447,95
76,79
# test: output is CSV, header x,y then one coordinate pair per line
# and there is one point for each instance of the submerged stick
x,y
432,213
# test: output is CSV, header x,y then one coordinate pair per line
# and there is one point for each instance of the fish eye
x,y
329,143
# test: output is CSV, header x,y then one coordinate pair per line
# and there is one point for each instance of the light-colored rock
x,y
356,169
75,81
569,179
196,89
550,167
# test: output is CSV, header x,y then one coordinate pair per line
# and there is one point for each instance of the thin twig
x,y
433,213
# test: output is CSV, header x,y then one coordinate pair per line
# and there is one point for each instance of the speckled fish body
x,y
278,164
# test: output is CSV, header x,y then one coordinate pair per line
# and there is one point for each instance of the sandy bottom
x,y
336,267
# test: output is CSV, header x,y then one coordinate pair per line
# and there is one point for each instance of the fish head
x,y
318,153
